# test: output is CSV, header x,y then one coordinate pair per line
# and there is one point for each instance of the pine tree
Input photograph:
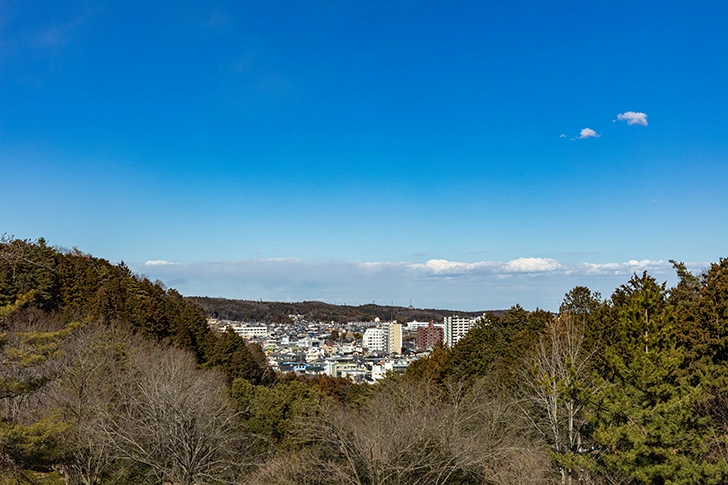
x,y
646,418
27,359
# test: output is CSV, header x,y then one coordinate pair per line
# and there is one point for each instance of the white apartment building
x,y
375,339
456,327
383,339
250,332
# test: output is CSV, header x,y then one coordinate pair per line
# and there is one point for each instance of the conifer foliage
x,y
76,287
646,414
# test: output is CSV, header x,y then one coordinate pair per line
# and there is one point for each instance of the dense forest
x,y
109,378
275,312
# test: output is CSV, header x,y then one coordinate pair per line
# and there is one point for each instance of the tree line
x,y
106,377
277,312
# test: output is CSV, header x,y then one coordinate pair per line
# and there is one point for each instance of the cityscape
x,y
361,351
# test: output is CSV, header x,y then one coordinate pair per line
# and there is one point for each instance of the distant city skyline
x,y
467,156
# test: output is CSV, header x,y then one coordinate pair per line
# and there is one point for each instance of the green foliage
x,y
239,359
33,446
685,293
342,390
30,477
433,369
706,326
26,365
26,267
579,304
271,414
23,359
646,419
555,382
43,292
495,346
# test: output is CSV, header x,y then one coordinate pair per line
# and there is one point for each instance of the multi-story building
x,y
394,341
376,339
384,339
456,327
250,332
430,336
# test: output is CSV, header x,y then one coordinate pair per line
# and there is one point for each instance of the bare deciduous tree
x,y
94,358
173,419
554,381
409,434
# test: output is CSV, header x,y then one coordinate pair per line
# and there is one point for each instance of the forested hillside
x,y
271,311
71,287
107,377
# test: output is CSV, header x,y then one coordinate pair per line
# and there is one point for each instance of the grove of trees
x,y
109,378
272,311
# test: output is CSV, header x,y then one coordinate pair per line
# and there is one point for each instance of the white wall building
x,y
375,339
414,325
338,369
250,332
383,339
456,327
380,370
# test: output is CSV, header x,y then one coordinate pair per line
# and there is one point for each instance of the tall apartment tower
x,y
456,327
395,338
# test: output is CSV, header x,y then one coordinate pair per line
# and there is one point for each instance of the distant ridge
x,y
271,311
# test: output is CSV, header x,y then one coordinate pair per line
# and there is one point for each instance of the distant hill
x,y
270,311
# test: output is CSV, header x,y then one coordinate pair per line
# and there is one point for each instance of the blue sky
x,y
370,151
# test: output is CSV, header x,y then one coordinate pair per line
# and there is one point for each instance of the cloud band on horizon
x,y
529,281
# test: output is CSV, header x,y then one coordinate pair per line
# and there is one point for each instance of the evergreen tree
x,y
646,418
27,358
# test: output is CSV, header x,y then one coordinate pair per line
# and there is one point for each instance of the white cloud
x,y
562,136
158,262
532,265
588,133
626,268
514,266
633,118
443,266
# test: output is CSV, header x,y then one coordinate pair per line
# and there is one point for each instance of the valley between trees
x,y
109,378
